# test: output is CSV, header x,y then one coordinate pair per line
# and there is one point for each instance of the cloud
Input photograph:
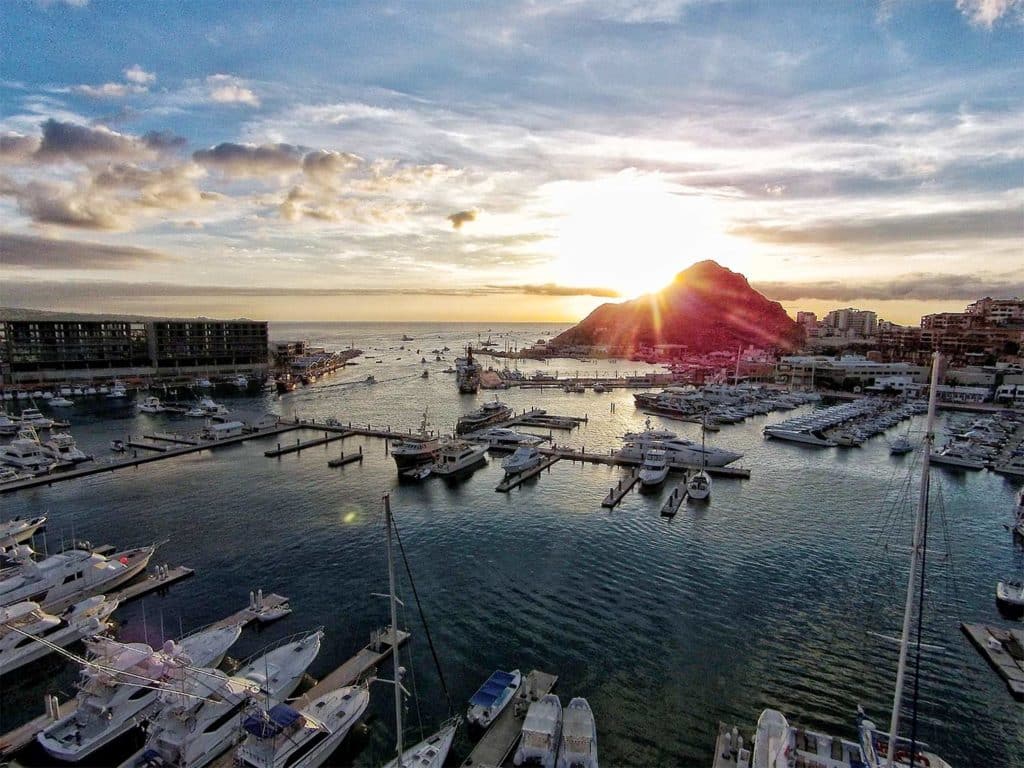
x,y
324,167
921,286
461,217
550,289
985,13
47,253
14,147
954,225
163,140
225,89
249,160
69,141
55,203
139,76
108,90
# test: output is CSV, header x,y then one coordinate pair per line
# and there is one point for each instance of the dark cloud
x,y
913,286
246,160
46,253
63,140
162,140
957,225
550,289
461,217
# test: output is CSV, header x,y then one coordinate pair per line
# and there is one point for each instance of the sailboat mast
x,y
915,558
394,630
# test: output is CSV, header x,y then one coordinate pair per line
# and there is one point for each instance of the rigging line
x,y
920,629
423,618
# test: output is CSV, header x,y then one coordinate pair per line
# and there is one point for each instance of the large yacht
x,y
16,531
524,459
199,719
64,578
8,426
484,416
805,436
110,700
457,455
282,737
61,447
26,452
27,632
412,453
467,372
679,451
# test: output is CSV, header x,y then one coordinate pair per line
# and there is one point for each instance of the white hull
x,y
429,753
795,436
18,531
87,618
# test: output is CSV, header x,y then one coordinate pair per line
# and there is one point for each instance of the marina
x,y
496,745
1003,649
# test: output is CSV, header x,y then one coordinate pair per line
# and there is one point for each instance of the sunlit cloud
x,y
225,89
48,253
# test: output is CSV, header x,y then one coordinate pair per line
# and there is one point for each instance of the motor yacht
x,y
24,622
10,475
198,720
654,469
61,402
413,453
117,390
579,736
65,578
16,531
523,459
492,697
151,405
680,452
958,455
61,447
33,417
242,382
458,455
110,699
283,737
26,453
206,408
8,426
485,416
805,436
649,434
502,437
541,732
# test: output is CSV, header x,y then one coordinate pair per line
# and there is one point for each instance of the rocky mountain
x,y
706,307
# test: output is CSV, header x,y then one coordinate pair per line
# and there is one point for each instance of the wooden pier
x,y
514,481
159,580
616,494
1003,649
167,437
674,500
343,459
497,743
147,446
300,445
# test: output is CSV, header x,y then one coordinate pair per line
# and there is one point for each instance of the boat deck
x,y
495,747
991,643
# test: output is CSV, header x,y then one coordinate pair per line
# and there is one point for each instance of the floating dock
x,y
497,743
514,481
147,446
343,459
301,445
1003,649
674,500
167,437
729,749
159,580
616,494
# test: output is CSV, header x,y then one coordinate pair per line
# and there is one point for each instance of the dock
x,y
497,743
167,437
300,445
249,613
147,446
729,749
1003,649
514,481
343,459
616,494
162,579
674,500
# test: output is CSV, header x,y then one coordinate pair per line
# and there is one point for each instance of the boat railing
x,y
281,643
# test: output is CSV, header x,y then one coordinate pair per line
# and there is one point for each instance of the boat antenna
x,y
916,556
388,523
423,617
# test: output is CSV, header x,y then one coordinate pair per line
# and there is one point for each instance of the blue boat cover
x,y
491,690
266,725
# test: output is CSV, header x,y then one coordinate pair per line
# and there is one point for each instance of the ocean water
x,y
766,596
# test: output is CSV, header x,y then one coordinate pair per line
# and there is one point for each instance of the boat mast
x,y
394,629
915,558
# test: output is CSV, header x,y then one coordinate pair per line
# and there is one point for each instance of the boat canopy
x,y
266,725
491,690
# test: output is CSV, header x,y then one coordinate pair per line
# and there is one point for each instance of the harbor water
x,y
771,594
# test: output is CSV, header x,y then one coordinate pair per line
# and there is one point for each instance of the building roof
x,y
17,314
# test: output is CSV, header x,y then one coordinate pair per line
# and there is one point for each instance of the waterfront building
x,y
846,372
49,346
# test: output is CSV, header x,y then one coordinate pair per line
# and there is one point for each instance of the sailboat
x,y
777,744
699,486
432,751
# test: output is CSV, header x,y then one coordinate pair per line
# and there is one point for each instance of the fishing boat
x,y
654,470
523,459
29,632
111,701
492,697
541,733
33,417
579,736
16,531
283,737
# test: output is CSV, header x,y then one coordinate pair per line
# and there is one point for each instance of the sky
x,y
510,160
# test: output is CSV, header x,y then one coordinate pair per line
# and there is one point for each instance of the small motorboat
x,y
421,472
492,697
523,459
117,446
542,732
1010,598
901,445
425,375
579,736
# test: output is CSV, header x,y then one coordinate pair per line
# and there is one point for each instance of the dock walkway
x,y
497,743
301,445
616,494
674,500
1003,649
162,579
514,481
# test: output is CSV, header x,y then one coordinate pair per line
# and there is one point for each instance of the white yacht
x,y
151,405
699,485
649,434
10,475
1010,598
117,390
65,578
21,622
285,738
203,383
542,732
242,382
958,455
654,470
805,436
16,531
61,402
522,460
198,720
502,437
458,455
484,416
207,407
8,426
110,698
33,417
61,447
579,736
679,451
492,697
26,453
